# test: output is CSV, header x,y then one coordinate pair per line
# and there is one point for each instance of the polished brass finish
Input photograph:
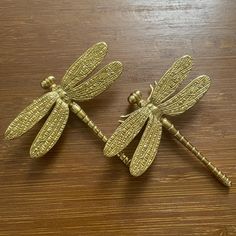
x,y
64,97
150,114
80,113
218,174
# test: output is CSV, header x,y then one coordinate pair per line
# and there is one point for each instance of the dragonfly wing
x,y
31,115
147,148
51,130
171,79
187,97
97,83
126,132
84,65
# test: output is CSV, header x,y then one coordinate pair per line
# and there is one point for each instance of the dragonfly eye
x,y
135,97
48,82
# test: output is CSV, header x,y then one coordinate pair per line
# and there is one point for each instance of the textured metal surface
x,y
218,174
31,115
80,113
147,149
154,106
126,132
84,65
97,83
65,94
170,81
51,130
187,97
74,190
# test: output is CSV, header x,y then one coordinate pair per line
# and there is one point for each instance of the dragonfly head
x,y
135,98
49,82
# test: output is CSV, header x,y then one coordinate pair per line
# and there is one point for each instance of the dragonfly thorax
x,y
136,98
49,83
155,110
63,95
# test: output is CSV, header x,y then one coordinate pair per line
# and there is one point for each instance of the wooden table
x,y
74,190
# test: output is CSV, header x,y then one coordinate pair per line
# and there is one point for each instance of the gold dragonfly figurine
x,y
64,97
151,113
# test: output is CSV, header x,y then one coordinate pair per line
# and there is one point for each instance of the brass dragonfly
x,y
64,97
150,113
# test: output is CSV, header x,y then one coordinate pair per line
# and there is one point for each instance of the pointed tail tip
x,y
228,184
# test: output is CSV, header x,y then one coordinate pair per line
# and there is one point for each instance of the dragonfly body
x,y
62,98
150,114
136,99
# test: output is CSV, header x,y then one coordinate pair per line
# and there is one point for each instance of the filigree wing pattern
x,y
147,149
187,97
171,79
126,132
51,130
97,83
84,65
31,115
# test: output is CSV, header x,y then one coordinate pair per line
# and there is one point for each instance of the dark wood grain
x,y
74,190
